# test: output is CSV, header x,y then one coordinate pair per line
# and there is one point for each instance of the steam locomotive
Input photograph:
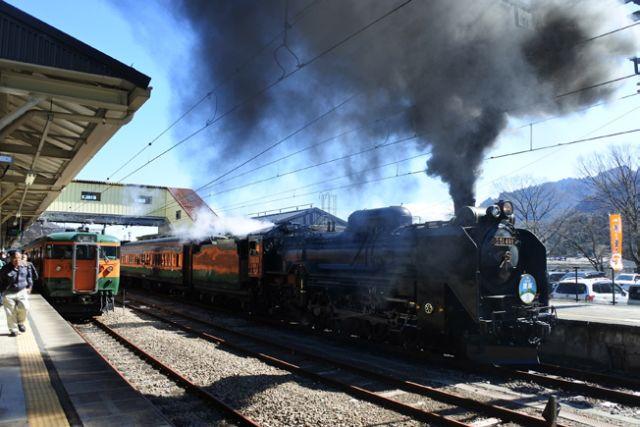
x,y
475,285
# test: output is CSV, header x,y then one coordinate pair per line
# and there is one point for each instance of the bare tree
x,y
535,206
585,233
614,177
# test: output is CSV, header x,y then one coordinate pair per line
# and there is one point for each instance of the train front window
x,y
109,252
59,251
85,252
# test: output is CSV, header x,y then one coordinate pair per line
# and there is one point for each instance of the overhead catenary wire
x,y
328,50
166,206
315,58
364,182
303,168
563,144
225,80
323,163
325,181
262,91
270,86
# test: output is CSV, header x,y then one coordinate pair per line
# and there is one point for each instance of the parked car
x,y
634,294
554,278
596,290
627,279
589,274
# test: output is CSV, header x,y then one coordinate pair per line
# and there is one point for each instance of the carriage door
x,y
85,268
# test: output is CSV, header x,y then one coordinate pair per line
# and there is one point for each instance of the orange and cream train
x,y
79,271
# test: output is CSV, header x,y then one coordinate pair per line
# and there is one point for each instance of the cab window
x,y
59,252
110,252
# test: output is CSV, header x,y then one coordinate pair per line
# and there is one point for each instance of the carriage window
x,y
59,252
85,252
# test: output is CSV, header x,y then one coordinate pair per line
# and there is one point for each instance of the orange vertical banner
x,y
615,228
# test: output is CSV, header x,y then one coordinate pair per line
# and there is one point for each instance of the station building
x,y
95,202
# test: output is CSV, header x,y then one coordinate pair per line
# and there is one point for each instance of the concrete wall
x,y
574,343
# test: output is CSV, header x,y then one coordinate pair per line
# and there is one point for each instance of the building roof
x,y
60,102
292,216
190,201
117,184
24,38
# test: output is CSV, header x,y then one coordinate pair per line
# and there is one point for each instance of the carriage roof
x,y
77,236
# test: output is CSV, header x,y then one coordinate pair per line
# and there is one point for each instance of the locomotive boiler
x,y
475,285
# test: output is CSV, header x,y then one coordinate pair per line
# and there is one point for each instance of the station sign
x,y
4,158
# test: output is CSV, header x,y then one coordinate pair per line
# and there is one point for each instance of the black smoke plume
x,y
460,68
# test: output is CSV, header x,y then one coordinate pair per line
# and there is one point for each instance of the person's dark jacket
x,y
14,279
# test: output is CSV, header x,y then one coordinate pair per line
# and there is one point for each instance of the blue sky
x,y
145,35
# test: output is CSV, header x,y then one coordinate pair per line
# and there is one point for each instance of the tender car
x,y
634,294
627,279
585,274
596,290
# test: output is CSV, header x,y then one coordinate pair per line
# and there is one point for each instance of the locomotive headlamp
x,y
494,211
507,208
58,268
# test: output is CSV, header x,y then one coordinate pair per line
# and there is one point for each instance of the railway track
x,y
556,377
500,413
593,377
155,367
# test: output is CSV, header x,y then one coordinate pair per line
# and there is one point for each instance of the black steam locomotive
x,y
475,285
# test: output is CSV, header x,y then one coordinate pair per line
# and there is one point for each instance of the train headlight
x,y
58,268
494,211
507,208
527,288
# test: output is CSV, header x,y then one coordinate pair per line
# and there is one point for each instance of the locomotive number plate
x,y
504,241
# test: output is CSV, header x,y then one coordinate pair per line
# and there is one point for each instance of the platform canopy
x,y
60,102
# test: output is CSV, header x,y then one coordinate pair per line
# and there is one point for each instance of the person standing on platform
x,y
15,283
31,267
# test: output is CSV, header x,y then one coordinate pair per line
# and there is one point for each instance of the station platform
x,y
49,376
619,314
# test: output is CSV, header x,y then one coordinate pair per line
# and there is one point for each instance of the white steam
x,y
207,224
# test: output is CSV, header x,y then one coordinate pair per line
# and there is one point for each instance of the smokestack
x,y
460,69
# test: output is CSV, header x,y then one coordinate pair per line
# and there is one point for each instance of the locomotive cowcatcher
x,y
474,286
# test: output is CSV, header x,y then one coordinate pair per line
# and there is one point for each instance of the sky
x,y
147,36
